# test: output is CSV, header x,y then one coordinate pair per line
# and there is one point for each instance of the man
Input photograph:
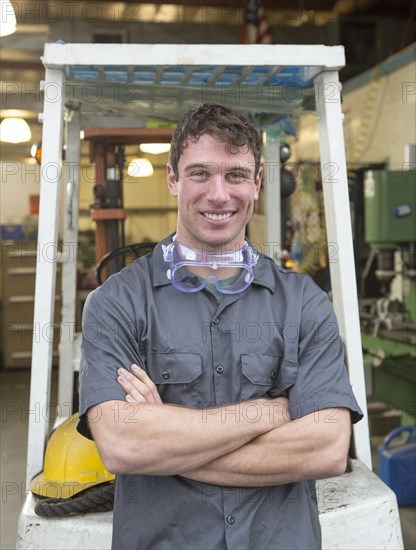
x,y
212,380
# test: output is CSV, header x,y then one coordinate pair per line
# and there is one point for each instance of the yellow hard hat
x,y
72,464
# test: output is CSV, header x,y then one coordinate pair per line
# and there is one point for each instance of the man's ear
x,y
171,179
257,183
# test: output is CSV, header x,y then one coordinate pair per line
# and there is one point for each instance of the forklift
x,y
357,510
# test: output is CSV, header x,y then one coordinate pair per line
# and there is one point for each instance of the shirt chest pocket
x,y
176,376
266,375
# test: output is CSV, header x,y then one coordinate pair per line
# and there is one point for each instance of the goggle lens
x,y
235,268
232,283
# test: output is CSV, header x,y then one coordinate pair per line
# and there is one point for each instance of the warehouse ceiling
x,y
370,30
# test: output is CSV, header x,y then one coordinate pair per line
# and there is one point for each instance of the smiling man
x,y
214,386
216,185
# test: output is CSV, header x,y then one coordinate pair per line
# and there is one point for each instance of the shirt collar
x,y
160,267
263,274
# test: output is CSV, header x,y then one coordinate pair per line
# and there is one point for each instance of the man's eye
x,y
199,174
236,177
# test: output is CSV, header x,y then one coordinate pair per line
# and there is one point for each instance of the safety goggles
x,y
192,270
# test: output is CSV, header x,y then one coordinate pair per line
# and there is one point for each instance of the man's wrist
x,y
275,412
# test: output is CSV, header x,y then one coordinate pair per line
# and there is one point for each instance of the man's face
x,y
216,190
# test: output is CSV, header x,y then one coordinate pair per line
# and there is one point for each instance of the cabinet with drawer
x,y
18,273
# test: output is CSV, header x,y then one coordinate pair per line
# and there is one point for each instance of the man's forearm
x,y
163,439
307,448
314,446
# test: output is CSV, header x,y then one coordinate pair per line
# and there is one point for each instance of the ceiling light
x,y
155,148
15,130
8,18
36,152
140,168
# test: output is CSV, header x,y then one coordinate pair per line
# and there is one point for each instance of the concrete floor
x,y
14,392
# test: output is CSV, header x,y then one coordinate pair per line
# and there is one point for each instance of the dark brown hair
x,y
225,123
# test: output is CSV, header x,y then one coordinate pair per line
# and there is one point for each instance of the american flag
x,y
255,29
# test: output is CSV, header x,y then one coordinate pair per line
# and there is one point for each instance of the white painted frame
x,y
69,267
41,372
319,62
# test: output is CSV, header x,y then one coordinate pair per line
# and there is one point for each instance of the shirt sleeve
x,y
322,381
109,341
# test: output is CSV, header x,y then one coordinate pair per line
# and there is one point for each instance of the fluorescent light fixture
x,y
15,130
140,168
8,18
155,148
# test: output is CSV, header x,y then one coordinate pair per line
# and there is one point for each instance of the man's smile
x,y
219,216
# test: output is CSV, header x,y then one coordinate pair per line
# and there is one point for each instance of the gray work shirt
x,y
279,337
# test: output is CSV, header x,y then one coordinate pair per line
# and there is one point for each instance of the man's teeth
x,y
217,216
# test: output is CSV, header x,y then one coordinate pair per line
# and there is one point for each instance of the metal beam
x,y
329,57
40,406
339,238
69,267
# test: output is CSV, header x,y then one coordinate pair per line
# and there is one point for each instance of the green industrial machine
x,y
389,321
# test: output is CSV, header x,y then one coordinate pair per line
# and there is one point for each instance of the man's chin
x,y
224,242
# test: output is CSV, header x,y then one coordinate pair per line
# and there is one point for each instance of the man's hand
x,y
138,386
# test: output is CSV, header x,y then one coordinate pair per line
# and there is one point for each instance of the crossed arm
x,y
261,447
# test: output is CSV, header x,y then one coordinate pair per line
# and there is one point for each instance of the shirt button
x,y
165,374
273,375
220,369
216,321
230,520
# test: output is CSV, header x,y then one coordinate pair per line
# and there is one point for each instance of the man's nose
x,y
218,189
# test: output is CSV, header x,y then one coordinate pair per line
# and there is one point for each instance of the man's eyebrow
x,y
246,168
203,165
